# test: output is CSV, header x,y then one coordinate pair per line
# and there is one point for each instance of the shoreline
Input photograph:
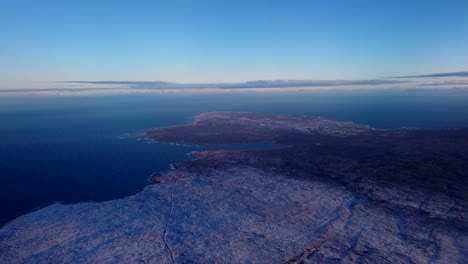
x,y
341,191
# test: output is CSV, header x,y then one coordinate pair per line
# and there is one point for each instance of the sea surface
x,y
85,148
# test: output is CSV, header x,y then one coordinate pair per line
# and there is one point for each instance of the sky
x,y
44,43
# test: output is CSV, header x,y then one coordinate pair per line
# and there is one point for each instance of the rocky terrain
x,y
338,193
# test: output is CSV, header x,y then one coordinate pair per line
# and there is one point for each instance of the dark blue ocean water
x,y
81,148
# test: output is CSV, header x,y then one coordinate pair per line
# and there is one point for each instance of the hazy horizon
x,y
208,42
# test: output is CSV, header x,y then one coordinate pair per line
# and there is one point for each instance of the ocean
x,y
85,148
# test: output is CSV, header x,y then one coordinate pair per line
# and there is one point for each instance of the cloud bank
x,y
426,82
240,85
446,83
435,75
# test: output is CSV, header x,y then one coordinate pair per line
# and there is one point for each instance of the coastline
x,y
309,202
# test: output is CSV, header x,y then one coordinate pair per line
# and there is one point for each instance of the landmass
x,y
337,192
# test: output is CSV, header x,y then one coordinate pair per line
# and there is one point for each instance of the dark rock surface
x,y
341,193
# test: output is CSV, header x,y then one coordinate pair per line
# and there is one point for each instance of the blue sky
x,y
228,41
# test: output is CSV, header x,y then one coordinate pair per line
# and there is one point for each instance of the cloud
x,y
56,90
445,83
446,74
240,85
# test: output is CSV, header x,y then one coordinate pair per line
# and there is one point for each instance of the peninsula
x,y
338,192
